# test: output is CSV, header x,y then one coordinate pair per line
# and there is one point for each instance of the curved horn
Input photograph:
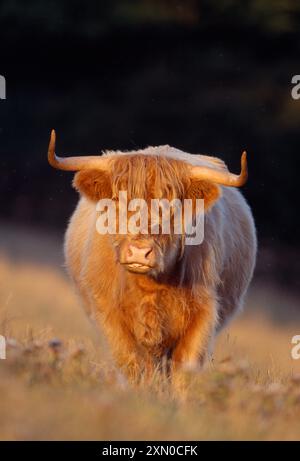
x,y
224,177
74,163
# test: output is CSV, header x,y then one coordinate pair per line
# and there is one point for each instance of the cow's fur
x,y
177,313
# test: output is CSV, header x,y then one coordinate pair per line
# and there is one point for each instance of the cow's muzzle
x,y
139,257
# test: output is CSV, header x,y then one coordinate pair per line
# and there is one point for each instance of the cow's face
x,y
148,250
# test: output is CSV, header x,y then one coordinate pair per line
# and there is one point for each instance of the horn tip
x,y
244,172
51,153
244,162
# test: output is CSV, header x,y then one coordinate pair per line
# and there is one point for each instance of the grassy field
x,y
59,382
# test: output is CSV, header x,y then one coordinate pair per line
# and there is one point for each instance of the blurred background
x,y
205,76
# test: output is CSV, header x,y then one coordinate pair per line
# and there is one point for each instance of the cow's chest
x,y
155,319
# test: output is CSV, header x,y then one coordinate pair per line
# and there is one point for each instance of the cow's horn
x,y
74,163
223,177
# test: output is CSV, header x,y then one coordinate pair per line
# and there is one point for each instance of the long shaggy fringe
x,y
168,177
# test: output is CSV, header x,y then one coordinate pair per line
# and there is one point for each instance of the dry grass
x,y
71,390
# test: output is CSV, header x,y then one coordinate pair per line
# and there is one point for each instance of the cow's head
x,y
147,178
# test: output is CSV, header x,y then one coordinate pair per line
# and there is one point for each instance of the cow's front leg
x,y
127,355
192,347
123,346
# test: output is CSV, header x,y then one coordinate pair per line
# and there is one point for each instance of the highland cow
x,y
157,299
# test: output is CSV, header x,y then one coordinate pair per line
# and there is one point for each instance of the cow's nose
x,y
139,255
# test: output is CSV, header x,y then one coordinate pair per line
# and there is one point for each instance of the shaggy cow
x,y
155,297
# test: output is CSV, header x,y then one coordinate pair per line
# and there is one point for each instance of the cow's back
x,y
237,245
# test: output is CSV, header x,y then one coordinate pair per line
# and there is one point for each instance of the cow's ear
x,y
93,184
206,190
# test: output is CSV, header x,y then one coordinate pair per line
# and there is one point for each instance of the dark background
x,y
205,76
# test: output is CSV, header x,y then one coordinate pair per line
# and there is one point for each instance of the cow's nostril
x,y
148,252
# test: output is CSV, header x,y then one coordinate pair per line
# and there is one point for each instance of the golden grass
x,y
71,390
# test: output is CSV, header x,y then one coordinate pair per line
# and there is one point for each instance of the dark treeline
x,y
211,77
